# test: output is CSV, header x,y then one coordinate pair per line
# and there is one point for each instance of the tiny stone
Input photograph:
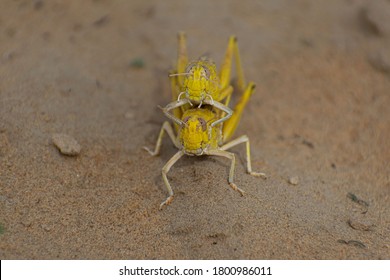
x,y
26,223
380,61
376,15
129,115
359,225
66,144
293,180
46,227
101,21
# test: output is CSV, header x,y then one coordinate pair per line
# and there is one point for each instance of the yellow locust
x,y
198,83
199,130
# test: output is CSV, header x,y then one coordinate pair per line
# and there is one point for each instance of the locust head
x,y
200,81
194,135
197,82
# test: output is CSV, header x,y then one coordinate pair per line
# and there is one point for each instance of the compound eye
x,y
190,68
203,124
206,72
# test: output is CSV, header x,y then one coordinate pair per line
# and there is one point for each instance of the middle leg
x,y
232,157
168,129
237,141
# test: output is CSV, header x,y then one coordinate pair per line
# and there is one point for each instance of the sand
x,y
319,125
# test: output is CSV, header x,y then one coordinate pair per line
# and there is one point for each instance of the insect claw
x,y
166,202
234,187
258,174
152,153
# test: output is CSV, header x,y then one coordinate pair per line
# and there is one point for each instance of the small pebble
x,y
380,61
355,243
359,225
66,144
101,21
130,115
26,223
376,16
46,227
294,180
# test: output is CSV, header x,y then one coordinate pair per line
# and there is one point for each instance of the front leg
x,y
175,104
220,106
168,129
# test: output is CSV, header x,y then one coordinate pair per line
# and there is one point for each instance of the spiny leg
x,y
237,141
225,74
229,127
164,172
232,157
165,127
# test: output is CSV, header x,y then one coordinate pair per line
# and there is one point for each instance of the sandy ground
x,y
96,70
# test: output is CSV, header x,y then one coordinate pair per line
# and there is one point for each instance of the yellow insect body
x,y
197,136
201,82
200,131
198,83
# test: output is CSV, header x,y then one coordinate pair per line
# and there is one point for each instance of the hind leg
x,y
225,74
230,126
182,57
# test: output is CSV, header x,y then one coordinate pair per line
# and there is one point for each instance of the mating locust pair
x,y
203,121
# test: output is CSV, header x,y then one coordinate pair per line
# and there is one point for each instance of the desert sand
x,y
319,125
